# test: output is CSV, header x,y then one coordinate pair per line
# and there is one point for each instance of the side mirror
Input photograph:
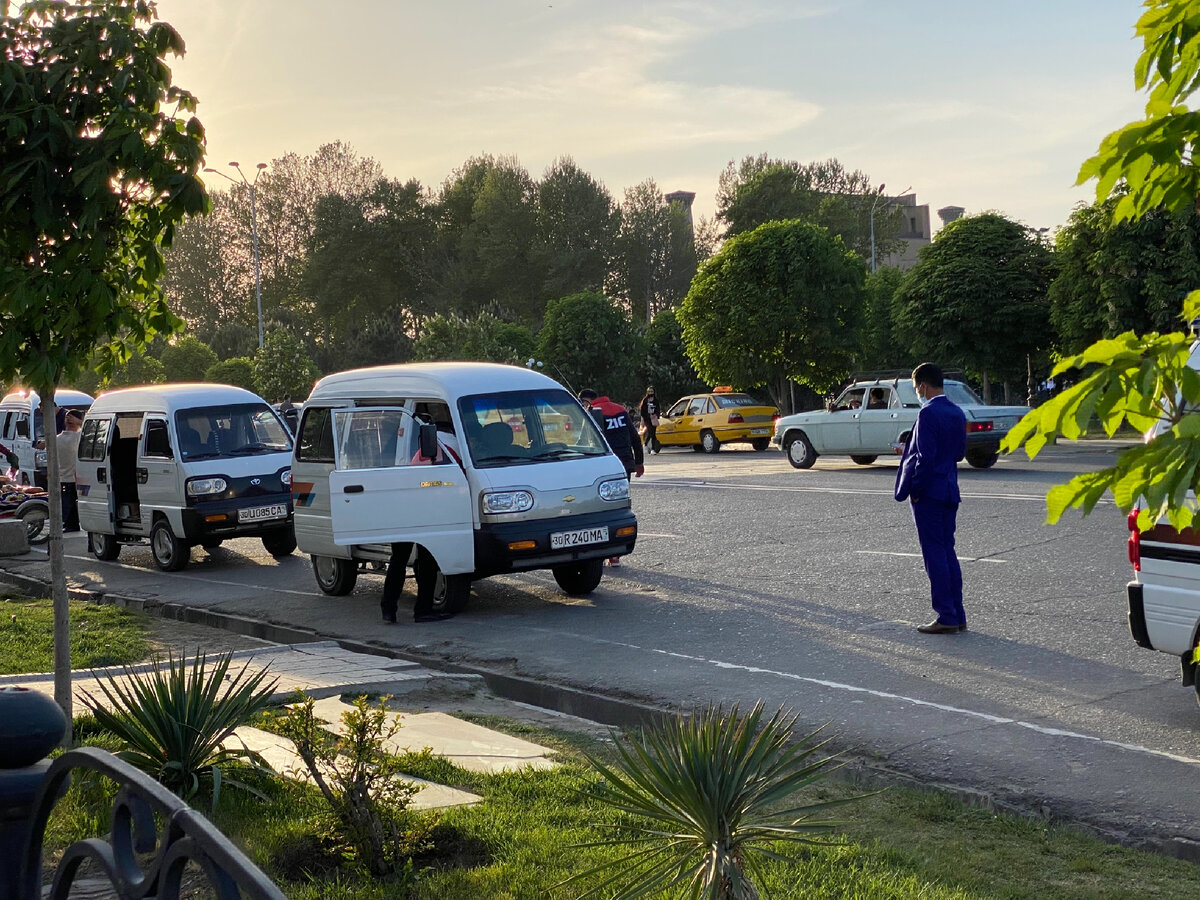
x,y
427,438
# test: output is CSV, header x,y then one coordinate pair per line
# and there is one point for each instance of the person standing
x,y
622,437
928,479
425,568
68,455
649,412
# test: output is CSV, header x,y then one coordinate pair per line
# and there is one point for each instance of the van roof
x,y
62,397
435,379
170,397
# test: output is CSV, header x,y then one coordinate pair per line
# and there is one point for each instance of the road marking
x,y
652,534
967,495
988,559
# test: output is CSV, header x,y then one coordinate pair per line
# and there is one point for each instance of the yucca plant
x,y
713,792
173,721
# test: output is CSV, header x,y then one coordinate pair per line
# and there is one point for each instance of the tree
x,y
187,358
283,368
825,193
482,338
878,347
977,298
98,164
655,253
666,364
1121,276
777,303
140,368
238,371
589,341
577,227
1144,381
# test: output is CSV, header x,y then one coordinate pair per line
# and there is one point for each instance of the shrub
x,y
238,371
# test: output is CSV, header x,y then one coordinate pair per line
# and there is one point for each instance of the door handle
x,y
102,476
142,475
352,489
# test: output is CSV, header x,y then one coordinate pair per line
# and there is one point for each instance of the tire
x,y
335,577
760,444
697,448
581,578
211,544
104,546
170,552
709,442
799,451
451,593
982,459
281,542
37,521
863,460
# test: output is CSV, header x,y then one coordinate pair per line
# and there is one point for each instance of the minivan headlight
x,y
201,487
286,477
496,502
39,459
616,489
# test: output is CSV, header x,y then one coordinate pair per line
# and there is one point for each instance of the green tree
x,y
777,303
666,364
878,347
238,371
655,253
577,226
187,358
588,340
98,164
977,298
283,368
139,369
1143,381
482,338
1121,276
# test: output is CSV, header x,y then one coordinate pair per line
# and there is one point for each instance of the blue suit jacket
x,y
929,467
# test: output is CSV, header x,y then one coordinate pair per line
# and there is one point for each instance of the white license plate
x,y
760,431
258,513
564,539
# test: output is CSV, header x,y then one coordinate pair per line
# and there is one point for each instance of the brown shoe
x,y
939,627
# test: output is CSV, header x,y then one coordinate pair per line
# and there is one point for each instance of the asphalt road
x,y
752,580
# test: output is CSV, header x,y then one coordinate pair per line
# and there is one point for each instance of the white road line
x,y
987,559
652,534
967,495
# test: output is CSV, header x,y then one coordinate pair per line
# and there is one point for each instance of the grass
x,y
100,635
520,842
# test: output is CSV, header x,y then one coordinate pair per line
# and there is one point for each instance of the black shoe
x,y
939,627
433,617
389,618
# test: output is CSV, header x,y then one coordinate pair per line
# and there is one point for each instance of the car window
x,y
961,394
698,406
851,398
525,427
879,397
157,442
727,400
907,394
241,429
679,409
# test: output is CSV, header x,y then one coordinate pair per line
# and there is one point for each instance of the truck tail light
x,y
978,426
736,419
1135,540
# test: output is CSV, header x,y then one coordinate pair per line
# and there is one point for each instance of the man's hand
x,y
639,471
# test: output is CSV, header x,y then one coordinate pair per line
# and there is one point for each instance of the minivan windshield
x,y
242,429
512,428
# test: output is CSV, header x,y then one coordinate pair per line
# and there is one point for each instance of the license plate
x,y
760,431
258,513
564,539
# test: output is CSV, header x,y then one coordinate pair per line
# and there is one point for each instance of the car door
x,y
93,480
377,496
701,415
157,470
879,420
838,431
669,422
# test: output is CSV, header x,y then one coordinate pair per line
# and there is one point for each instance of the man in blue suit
x,y
928,478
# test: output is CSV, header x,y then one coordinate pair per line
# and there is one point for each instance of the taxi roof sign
x,y
722,389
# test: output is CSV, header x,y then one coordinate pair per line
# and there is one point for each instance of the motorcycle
x,y
33,510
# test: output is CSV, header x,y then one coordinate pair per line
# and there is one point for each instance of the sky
x,y
974,103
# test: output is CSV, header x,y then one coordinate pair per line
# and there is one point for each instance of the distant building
x,y
949,213
915,231
685,200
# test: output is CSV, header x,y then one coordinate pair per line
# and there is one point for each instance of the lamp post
x,y
253,231
878,197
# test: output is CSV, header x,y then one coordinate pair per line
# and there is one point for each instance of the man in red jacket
x,y
622,437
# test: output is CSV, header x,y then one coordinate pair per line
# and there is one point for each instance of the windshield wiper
x,y
560,452
208,454
249,448
502,457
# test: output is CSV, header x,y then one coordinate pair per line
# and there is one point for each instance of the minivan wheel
x,y
577,579
170,552
280,542
800,452
709,442
335,576
104,546
451,593
982,459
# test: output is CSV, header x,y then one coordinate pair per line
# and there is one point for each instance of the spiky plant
x,y
710,794
174,722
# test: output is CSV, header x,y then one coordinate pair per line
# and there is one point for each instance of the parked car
x,y
706,421
875,418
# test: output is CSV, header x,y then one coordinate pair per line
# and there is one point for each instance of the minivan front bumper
x,y
494,555
220,518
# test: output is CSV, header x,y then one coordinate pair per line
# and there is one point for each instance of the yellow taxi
x,y
706,421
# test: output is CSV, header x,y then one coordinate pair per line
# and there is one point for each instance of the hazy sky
x,y
985,105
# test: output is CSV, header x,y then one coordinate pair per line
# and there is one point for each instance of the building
x,y
915,231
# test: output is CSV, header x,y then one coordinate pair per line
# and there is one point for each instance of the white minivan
x,y
21,428
180,465
491,468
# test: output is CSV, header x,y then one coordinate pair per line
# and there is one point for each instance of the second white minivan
x,y
182,465
21,429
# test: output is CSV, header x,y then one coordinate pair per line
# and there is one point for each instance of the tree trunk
x,y
1007,393
58,575
987,389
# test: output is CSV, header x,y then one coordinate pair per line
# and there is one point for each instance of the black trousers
x,y
426,570
70,507
651,437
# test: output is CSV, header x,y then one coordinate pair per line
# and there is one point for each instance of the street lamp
x,y
253,232
878,197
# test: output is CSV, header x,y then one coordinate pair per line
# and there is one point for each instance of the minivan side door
x,y
93,478
377,496
157,471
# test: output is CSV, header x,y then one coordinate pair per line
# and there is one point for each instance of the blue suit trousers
x,y
935,530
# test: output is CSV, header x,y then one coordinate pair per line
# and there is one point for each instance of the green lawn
x,y
100,635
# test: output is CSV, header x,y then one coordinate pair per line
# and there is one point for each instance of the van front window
x,y
522,427
243,429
